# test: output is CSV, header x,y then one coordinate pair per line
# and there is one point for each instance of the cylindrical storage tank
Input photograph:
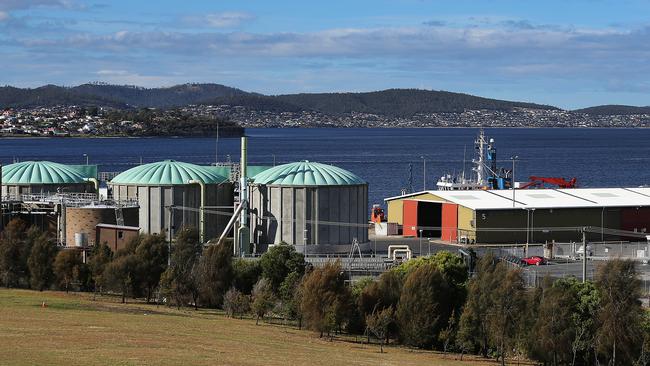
x,y
161,185
306,203
43,177
80,240
84,219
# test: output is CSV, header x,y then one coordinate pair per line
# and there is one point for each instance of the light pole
x,y
420,252
424,173
273,159
513,158
87,157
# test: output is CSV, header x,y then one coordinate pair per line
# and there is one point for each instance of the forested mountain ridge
x,y
403,103
391,102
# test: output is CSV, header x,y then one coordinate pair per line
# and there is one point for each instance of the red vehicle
x,y
533,261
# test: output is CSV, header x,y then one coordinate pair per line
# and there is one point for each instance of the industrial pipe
x,y
201,210
244,233
95,183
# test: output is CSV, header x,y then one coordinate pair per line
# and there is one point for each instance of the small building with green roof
x,y
308,204
199,196
45,177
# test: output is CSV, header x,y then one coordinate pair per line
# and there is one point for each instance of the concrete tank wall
x,y
17,190
155,200
302,215
84,220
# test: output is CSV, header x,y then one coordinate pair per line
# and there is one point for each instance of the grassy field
x,y
75,330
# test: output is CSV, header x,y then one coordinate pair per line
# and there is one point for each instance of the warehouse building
x,y
308,204
522,216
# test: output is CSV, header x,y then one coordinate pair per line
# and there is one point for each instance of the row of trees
x,y
427,302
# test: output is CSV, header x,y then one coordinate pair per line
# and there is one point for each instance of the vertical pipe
x,y
201,210
584,256
243,235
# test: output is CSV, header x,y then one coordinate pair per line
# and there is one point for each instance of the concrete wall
x,y
300,215
17,190
84,220
155,200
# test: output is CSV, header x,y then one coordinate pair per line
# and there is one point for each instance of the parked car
x,y
581,250
533,261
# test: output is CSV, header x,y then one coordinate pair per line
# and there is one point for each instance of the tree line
x,y
428,302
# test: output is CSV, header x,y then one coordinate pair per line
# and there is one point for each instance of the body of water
x,y
597,157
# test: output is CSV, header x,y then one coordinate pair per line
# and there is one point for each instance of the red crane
x,y
554,181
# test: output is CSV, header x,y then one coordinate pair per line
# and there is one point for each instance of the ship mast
x,y
480,146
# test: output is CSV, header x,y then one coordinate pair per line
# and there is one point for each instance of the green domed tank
x,y
307,203
159,185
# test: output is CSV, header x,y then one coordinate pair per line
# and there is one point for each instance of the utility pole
x,y
424,173
513,158
584,255
169,229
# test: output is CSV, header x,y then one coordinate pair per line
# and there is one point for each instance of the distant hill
x,y
50,95
392,102
178,95
613,109
119,96
400,102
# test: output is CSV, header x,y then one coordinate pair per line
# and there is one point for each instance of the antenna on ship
x,y
216,148
464,161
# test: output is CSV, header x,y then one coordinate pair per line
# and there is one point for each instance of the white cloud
x,y
26,4
231,19
125,77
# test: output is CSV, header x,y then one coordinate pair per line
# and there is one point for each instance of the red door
x,y
449,222
410,215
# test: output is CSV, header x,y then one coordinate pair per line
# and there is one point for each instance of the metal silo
x,y
306,203
192,192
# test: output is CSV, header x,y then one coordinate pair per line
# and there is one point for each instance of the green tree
x,y
41,262
215,274
473,330
324,298
279,261
68,268
553,332
235,303
620,316
13,254
379,322
584,316
507,306
263,299
152,256
121,274
179,280
424,307
246,274
100,257
290,297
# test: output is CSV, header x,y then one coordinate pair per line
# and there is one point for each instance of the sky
x,y
567,53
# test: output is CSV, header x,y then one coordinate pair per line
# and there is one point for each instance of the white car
x,y
581,250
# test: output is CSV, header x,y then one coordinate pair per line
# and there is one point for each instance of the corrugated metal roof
x,y
544,198
41,172
305,173
168,172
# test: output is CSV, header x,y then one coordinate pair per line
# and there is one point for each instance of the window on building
x,y
120,234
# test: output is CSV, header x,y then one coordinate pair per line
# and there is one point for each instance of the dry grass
x,y
75,330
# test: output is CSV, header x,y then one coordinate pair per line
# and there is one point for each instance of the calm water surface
x,y
597,157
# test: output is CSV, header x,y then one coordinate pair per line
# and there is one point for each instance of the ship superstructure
x,y
485,173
